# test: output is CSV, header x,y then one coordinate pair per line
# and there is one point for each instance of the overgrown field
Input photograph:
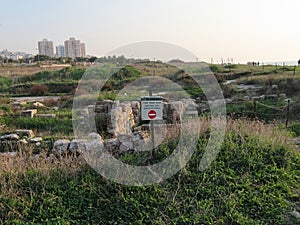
x,y
254,180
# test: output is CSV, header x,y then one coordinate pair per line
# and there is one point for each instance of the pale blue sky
x,y
241,29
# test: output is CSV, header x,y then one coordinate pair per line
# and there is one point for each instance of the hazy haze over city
x,y
243,30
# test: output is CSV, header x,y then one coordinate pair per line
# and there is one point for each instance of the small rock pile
x,y
10,143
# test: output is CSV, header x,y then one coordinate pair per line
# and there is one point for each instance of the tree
x,y
40,58
92,59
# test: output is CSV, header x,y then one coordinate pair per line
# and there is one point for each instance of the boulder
x,y
36,140
272,97
10,137
95,136
124,137
126,146
45,115
92,145
142,145
112,144
60,146
246,98
262,97
23,141
255,98
38,105
77,145
228,100
25,133
29,113
93,150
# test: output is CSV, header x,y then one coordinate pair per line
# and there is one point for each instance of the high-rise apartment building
x,y
82,49
60,51
74,49
46,48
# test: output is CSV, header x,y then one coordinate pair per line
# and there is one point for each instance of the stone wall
x,y
119,118
116,118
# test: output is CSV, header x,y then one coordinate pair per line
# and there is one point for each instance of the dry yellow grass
x,y
21,70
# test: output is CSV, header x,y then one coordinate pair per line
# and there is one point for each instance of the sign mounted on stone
x,y
152,108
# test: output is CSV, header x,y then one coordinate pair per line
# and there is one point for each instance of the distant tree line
x,y
122,60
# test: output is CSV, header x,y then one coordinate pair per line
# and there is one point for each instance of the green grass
x,y
254,180
54,125
295,129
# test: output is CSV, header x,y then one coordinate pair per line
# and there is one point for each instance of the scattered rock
x,y
60,146
36,140
92,149
9,154
126,146
272,97
95,136
295,214
124,137
45,115
227,101
23,141
29,113
282,95
10,137
246,98
17,105
142,145
25,133
38,105
38,144
255,98
55,108
77,146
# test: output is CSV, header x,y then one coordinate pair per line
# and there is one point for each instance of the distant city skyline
x,y
243,30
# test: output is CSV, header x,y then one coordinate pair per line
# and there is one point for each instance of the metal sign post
x,y
152,109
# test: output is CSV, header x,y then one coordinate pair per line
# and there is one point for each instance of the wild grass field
x,y
254,180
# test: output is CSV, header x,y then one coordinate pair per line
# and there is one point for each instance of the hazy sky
x,y
245,30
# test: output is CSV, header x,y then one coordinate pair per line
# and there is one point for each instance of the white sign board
x,y
152,108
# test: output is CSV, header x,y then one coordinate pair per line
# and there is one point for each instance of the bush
x,y
230,66
38,90
295,129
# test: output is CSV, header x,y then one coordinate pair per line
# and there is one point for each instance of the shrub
x,y
230,66
215,68
38,89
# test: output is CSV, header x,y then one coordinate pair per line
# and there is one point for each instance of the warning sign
x,y
152,108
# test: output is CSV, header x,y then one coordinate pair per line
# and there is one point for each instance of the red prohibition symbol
x,y
152,114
